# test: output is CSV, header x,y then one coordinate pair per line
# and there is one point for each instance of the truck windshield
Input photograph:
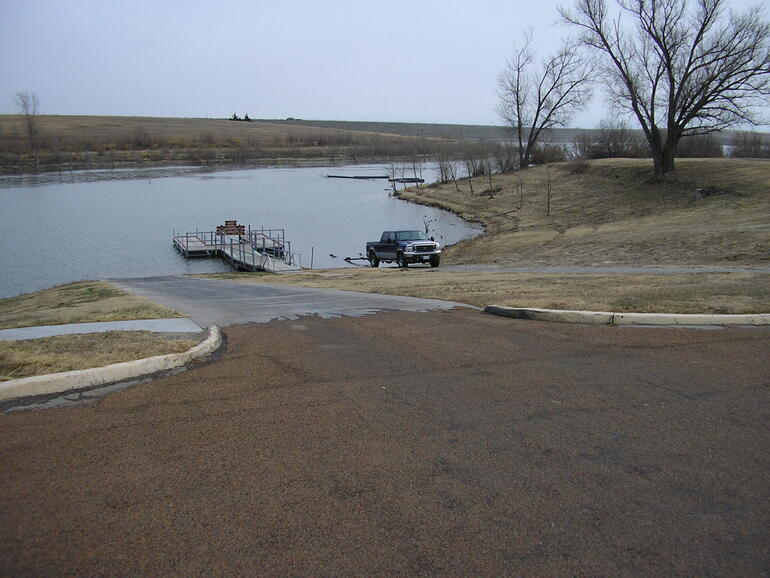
x,y
410,236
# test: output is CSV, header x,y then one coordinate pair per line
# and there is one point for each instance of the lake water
x,y
100,224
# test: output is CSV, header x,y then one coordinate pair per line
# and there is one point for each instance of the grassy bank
x,y
86,142
69,352
613,211
81,302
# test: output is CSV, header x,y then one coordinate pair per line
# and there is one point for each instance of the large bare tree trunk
x,y
663,159
667,159
664,153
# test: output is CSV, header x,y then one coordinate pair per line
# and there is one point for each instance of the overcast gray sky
x,y
398,60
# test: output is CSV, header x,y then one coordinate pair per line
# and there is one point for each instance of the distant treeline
x,y
68,143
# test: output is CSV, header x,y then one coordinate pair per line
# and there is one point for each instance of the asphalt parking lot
x,y
448,442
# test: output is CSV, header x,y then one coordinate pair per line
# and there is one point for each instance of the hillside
x,y
612,211
463,132
124,130
75,142
84,142
422,130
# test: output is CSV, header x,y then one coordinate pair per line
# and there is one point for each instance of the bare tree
x,y
417,169
28,106
534,98
750,144
616,139
443,168
453,173
680,70
469,168
700,146
611,138
504,158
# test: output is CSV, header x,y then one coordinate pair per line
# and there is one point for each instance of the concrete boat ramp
x,y
245,249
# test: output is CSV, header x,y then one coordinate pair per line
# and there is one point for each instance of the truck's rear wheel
x,y
434,261
401,261
373,260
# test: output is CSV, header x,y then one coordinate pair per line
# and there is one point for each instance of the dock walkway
x,y
252,250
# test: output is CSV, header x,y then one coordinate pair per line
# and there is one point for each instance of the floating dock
x,y
245,249
359,177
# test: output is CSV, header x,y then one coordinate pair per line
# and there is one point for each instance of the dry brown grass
x,y
602,212
81,302
114,130
613,211
68,352
686,293
73,142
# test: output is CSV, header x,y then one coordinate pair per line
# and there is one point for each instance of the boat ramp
x,y
246,249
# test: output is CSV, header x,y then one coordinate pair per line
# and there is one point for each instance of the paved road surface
x,y
442,443
224,303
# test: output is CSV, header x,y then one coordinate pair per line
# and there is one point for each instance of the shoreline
x,y
181,168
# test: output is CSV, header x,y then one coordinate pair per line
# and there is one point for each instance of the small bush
x,y
140,138
549,153
578,167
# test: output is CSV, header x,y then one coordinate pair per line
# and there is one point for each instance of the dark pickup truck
x,y
404,247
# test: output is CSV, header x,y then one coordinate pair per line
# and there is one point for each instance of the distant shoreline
x,y
162,169
71,143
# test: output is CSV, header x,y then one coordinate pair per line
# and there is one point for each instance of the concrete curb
x,y
610,318
81,378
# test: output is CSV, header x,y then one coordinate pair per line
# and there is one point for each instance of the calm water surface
x,y
113,224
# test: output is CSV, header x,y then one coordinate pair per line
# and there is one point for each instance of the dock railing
x,y
258,249
197,241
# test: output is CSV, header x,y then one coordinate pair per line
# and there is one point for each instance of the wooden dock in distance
x,y
246,250
359,177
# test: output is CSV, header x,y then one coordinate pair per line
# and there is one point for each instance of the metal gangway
x,y
246,250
